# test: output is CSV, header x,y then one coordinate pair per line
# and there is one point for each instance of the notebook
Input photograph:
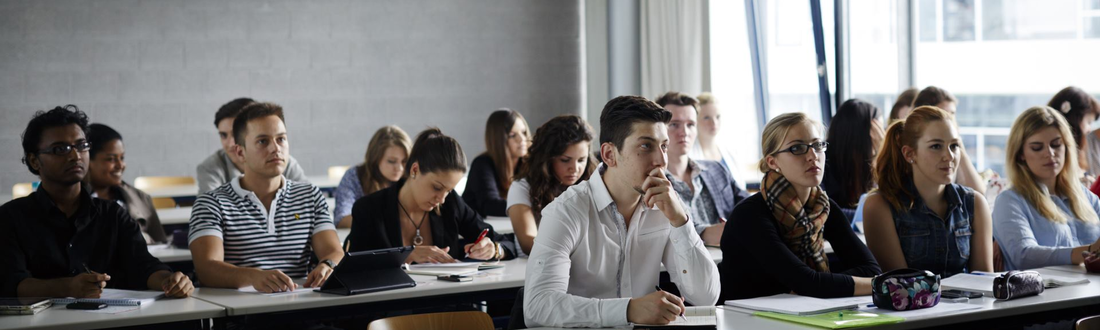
x,y
836,319
785,303
23,306
970,282
1051,281
453,268
116,297
695,317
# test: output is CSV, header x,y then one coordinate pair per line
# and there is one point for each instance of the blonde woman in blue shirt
x,y
1047,217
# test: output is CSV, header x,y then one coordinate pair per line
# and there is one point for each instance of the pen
x,y
658,287
870,305
86,269
478,240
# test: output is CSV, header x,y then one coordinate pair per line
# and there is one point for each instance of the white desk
x,y
236,303
192,190
324,181
502,225
162,311
829,247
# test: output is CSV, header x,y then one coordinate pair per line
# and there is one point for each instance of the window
x,y
1024,53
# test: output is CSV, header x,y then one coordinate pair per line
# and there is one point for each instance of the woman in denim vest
x,y
918,218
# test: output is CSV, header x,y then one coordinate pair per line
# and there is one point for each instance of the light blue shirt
x,y
347,192
1030,240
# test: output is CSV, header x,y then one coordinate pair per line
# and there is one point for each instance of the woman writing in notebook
x,y
420,210
919,218
559,158
777,243
1047,218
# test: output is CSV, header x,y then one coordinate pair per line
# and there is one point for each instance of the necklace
x,y
418,239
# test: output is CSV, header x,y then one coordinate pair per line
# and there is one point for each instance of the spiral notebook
x,y
695,317
116,297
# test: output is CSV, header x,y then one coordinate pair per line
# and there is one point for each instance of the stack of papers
x,y
1051,281
704,317
792,304
116,297
943,308
970,282
453,268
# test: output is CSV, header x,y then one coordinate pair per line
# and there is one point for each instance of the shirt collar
x,y
600,194
236,184
81,216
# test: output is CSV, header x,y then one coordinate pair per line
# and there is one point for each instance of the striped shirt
x,y
253,237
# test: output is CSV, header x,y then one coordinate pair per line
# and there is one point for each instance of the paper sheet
x,y
943,308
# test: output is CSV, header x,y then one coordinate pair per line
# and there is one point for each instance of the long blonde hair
x,y
1027,124
776,130
388,136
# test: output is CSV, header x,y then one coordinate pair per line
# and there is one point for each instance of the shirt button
x,y
685,271
70,245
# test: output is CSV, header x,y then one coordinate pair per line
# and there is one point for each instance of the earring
x,y
778,171
910,161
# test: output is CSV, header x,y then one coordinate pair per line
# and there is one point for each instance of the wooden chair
x,y
164,203
335,173
473,320
1088,323
153,182
21,190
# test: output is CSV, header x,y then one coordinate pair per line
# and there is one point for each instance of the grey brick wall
x,y
156,70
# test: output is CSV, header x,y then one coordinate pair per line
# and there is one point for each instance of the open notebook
x,y
695,317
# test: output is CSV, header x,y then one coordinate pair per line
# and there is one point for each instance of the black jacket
x,y
482,192
756,262
377,225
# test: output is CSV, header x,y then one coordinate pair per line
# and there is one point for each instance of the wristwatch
x,y
329,263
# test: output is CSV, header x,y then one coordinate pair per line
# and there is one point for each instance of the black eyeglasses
x,y
801,149
81,146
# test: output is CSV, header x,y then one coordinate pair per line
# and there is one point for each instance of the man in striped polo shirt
x,y
261,229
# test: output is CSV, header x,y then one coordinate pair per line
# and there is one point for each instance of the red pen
x,y
478,240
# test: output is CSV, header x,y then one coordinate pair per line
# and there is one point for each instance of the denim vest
x,y
938,245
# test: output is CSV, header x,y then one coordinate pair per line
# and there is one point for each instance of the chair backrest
x,y
336,173
164,203
1088,323
473,320
998,258
153,182
21,190
516,320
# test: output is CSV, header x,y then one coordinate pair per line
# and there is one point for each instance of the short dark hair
x,y
680,99
231,109
98,136
436,152
933,96
619,115
57,117
253,111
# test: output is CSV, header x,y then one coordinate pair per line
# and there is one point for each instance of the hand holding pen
x,y
88,285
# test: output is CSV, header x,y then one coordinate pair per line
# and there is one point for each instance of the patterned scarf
x,y
800,226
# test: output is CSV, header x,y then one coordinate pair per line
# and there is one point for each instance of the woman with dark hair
x,y
1080,110
506,142
903,104
107,162
559,158
849,163
382,166
420,211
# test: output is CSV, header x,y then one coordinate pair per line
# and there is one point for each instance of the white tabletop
x,y
829,247
164,310
502,225
237,303
173,191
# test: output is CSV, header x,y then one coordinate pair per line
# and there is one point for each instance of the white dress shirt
x,y
586,264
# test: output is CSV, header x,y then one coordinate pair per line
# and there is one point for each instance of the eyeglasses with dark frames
x,y
801,149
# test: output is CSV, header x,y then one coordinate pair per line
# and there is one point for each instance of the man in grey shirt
x,y
220,167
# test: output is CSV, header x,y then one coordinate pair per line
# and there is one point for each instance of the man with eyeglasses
x,y
707,188
61,242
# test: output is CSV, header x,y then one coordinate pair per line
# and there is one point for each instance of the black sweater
x,y
482,192
756,262
377,224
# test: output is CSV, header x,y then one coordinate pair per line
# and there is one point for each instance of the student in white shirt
x,y
602,242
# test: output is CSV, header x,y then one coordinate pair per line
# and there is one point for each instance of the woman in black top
x,y
506,142
850,158
776,242
419,210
